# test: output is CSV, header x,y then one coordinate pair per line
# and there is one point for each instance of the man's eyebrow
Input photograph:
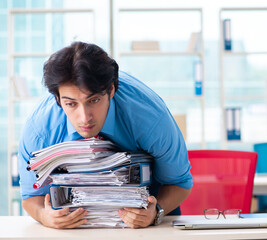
x,y
73,99
65,97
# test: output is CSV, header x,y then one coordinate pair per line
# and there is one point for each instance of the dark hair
x,y
85,65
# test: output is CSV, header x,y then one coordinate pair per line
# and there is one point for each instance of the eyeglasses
x,y
214,213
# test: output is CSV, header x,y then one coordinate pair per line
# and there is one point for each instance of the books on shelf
x,y
80,176
145,46
233,123
227,34
198,75
14,169
194,43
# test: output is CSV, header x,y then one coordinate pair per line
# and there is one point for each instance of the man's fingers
x,y
47,202
56,213
139,211
131,225
75,218
134,220
75,215
77,224
137,217
131,219
63,218
61,212
71,219
130,216
152,200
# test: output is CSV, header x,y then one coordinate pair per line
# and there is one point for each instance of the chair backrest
x,y
261,149
222,179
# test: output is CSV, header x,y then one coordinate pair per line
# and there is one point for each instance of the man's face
x,y
86,111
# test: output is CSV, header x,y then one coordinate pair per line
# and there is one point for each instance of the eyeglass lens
x,y
231,213
215,213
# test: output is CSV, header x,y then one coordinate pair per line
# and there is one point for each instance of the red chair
x,y
222,179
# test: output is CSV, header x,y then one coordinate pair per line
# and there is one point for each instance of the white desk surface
x,y
27,228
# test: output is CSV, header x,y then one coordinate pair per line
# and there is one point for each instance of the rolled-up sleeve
x,y
29,142
166,144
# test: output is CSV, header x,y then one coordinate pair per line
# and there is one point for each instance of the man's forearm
x,y
34,206
171,196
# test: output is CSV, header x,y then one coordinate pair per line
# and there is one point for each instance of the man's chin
x,y
87,135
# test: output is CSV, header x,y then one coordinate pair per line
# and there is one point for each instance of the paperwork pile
x,y
95,175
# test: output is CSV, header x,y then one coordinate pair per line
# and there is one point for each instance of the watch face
x,y
159,216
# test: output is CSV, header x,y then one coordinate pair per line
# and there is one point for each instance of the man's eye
x,y
95,100
70,104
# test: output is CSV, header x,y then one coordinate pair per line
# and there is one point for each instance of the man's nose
x,y
85,114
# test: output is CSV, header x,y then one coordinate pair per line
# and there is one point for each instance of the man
x,y
89,97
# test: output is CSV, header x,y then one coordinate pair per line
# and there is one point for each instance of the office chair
x,y
222,179
261,149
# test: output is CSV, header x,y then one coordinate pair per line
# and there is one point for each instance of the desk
x,y
26,228
260,184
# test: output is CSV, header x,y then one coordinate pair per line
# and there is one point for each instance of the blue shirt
x,y
137,119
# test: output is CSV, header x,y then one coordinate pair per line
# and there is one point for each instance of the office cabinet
x,y
34,35
243,73
164,48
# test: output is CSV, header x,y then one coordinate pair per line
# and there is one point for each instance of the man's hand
x,y
40,209
169,198
61,218
138,217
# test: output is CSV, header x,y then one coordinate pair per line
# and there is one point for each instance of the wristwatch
x,y
159,216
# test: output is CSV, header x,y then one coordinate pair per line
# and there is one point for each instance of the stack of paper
x,y
93,174
102,217
93,152
115,177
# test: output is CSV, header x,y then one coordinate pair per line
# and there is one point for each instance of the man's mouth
x,y
87,128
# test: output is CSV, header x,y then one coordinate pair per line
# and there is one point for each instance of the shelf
x,y
38,54
180,98
29,91
251,87
192,49
231,53
246,98
50,10
244,9
158,9
137,53
239,142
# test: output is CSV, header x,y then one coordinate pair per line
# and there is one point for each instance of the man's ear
x,y
112,91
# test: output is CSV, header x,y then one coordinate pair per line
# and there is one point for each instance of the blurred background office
x,y
206,59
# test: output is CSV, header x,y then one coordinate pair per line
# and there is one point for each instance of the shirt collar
x,y
109,125
70,128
